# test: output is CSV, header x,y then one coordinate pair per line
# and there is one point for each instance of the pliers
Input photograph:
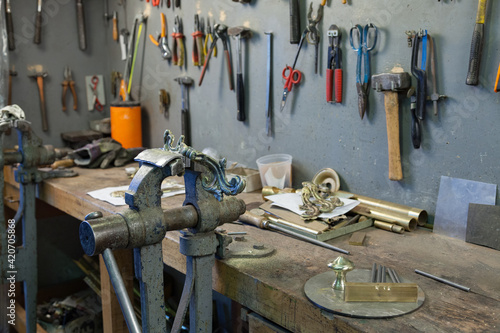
x,y
178,57
313,35
161,41
68,81
197,53
334,66
208,37
419,72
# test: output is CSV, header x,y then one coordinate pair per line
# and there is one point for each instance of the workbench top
x,y
274,286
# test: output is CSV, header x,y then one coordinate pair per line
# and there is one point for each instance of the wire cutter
x,y
178,57
363,45
68,81
313,35
334,66
208,37
197,53
162,41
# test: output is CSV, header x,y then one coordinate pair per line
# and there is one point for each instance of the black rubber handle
x,y
415,130
82,40
177,3
294,22
240,97
10,31
38,28
476,49
421,94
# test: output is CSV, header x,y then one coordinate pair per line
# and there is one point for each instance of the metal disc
x,y
319,291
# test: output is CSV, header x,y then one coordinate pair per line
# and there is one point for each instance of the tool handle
x,y
182,51
476,49
115,28
229,70
498,78
10,31
421,95
65,89
252,219
329,85
194,53
38,28
295,32
80,14
177,3
73,92
66,163
338,85
45,125
201,54
415,130
169,3
392,119
185,126
153,40
240,97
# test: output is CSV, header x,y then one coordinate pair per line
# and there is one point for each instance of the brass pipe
x,y
419,214
389,227
409,223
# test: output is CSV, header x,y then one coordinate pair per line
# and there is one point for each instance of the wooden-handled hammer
x,y
390,84
39,81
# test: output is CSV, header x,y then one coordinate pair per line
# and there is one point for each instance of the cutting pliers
x,y
68,81
178,47
209,38
359,38
334,66
197,53
161,41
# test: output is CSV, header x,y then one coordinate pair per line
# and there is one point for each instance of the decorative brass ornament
x,y
213,181
314,202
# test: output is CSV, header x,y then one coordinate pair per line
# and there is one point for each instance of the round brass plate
x,y
318,290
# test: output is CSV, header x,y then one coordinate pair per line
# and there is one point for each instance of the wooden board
x,y
357,238
483,225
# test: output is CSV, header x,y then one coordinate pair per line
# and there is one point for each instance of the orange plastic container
x,y
126,125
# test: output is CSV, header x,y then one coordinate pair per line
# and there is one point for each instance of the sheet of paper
x,y
292,201
114,195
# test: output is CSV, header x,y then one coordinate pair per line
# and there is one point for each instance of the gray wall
x,y
460,142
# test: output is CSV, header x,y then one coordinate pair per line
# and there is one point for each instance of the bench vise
x,y
144,224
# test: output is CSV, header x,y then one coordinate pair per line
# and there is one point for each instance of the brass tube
x,y
389,226
409,223
419,214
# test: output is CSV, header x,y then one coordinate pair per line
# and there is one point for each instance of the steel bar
x,y
307,239
396,275
121,292
448,282
373,277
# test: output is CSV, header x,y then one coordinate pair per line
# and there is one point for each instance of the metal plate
x,y
483,225
453,203
318,290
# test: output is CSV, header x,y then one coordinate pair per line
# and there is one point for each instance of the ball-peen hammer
x,y
390,84
476,48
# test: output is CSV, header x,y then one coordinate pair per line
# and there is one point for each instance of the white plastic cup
x,y
275,170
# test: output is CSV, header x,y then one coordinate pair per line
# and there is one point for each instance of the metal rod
x,y
307,239
379,274
121,292
383,280
391,275
374,273
396,275
448,282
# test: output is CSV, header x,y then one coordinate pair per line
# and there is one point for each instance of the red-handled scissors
x,y
294,76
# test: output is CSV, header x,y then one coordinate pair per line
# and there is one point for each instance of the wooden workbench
x,y
273,286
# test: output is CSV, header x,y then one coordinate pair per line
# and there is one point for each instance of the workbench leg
x,y
112,317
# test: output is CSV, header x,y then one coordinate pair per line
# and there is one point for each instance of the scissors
x,y
363,45
294,76
97,104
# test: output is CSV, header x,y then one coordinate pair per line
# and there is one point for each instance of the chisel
x,y
80,16
476,48
10,26
38,23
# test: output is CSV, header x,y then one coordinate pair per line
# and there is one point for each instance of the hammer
x,y
239,33
39,80
390,84
185,82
